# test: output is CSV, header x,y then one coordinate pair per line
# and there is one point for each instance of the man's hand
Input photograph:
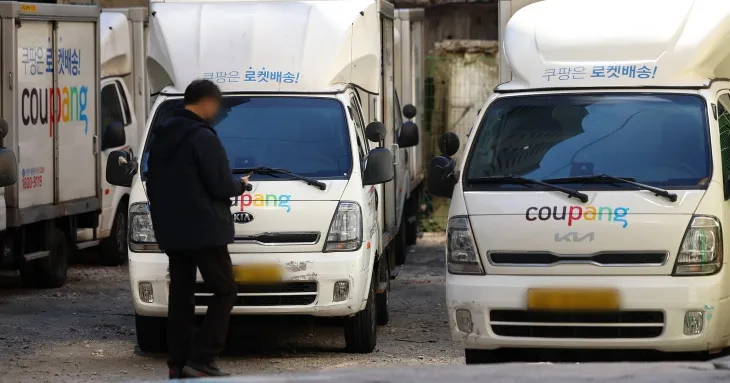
x,y
246,186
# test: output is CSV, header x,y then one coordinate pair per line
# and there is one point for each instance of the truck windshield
x,y
655,139
306,135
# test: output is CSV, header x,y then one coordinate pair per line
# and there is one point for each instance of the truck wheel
x,y
481,356
382,301
114,248
401,250
151,333
48,272
412,227
361,329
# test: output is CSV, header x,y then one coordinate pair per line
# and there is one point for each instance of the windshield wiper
x,y
605,178
522,180
286,172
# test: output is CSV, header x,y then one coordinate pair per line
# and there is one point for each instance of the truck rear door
x,y
76,78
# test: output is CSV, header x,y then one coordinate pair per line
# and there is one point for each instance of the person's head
x,y
203,98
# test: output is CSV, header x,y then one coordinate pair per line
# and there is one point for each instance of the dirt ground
x,y
84,332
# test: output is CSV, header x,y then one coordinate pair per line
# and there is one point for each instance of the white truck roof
x,y
618,43
254,46
116,44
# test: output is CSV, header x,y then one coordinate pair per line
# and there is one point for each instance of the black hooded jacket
x,y
189,185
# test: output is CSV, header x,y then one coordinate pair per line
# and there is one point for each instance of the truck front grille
x,y
540,258
304,238
585,325
270,294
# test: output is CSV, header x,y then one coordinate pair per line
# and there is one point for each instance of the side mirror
x,y
379,167
114,136
408,135
440,178
409,111
375,131
120,168
449,144
8,167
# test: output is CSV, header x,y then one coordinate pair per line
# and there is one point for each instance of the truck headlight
x,y
141,234
701,249
345,233
462,256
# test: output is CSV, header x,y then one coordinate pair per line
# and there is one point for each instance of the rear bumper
x,y
313,273
497,304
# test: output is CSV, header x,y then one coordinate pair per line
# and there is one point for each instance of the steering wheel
x,y
327,160
681,165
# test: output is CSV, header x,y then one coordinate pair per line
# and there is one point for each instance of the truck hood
x,y
537,233
284,216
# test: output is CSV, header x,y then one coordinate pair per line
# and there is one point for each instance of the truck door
x,y
388,107
114,108
76,82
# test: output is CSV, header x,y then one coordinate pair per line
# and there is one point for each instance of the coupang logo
x,y
37,106
571,214
263,200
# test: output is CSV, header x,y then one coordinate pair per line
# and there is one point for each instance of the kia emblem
x,y
242,217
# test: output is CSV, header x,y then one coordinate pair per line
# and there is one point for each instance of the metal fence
x,y
457,85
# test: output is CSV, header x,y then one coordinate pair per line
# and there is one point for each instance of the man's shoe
x,y
176,373
200,370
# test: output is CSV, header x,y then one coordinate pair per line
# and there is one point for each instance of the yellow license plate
x,y
257,273
572,300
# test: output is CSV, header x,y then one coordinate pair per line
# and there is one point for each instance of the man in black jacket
x,y
189,185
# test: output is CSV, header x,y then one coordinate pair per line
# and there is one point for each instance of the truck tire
x,y
361,329
382,301
473,356
48,272
412,227
151,333
401,249
113,250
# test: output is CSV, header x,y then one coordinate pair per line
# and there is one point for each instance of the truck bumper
x,y
307,288
652,313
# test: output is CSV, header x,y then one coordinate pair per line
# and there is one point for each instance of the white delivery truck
x,y
409,83
589,208
310,109
50,81
124,103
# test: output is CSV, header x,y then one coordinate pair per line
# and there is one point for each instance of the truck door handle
x,y
396,153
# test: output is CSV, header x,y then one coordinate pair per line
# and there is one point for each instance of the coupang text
x,y
52,106
263,200
571,214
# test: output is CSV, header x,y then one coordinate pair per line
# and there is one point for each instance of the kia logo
x,y
242,217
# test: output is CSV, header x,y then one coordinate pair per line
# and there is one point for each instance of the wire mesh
x,y
457,86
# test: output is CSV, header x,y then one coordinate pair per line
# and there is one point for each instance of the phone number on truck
x,y
32,182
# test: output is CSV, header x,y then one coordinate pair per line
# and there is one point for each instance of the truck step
x,y
87,244
36,255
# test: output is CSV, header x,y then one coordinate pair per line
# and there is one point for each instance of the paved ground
x,y
84,332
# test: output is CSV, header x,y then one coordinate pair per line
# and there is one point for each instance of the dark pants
x,y
215,266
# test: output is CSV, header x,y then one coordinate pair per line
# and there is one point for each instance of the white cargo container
x,y
591,208
507,8
50,72
124,106
301,80
409,84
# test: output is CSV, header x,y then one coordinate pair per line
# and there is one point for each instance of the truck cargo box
x,y
51,109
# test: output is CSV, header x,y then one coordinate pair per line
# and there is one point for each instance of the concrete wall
x,y
462,21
